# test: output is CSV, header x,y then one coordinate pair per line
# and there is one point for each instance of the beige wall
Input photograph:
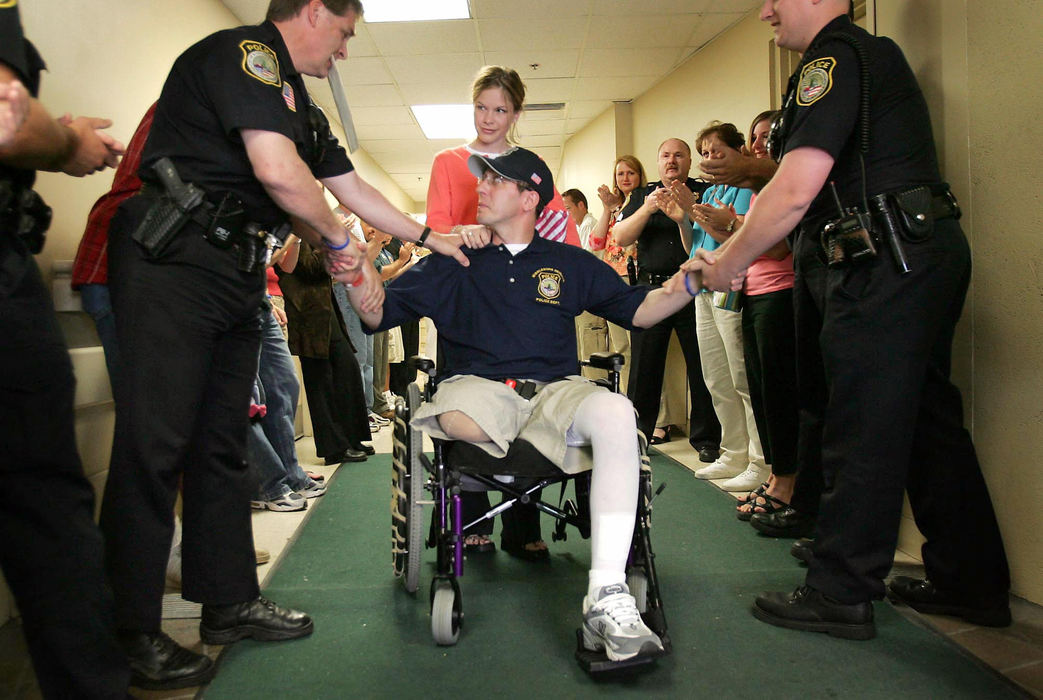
x,y
587,159
977,66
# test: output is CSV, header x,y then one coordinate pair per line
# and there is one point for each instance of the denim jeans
x,y
362,343
96,302
270,445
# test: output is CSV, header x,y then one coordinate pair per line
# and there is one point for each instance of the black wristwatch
x,y
423,236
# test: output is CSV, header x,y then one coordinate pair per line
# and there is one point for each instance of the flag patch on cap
x,y
536,178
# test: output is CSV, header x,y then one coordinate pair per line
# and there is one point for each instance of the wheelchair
x,y
419,480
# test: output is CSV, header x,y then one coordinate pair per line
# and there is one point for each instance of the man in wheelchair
x,y
510,315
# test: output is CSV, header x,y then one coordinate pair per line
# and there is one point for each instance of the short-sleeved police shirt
x,y
511,315
235,79
20,56
822,111
659,249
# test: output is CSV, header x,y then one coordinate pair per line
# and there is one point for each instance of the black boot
x,y
803,549
259,618
787,522
157,662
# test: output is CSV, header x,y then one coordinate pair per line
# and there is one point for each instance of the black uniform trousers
x,y
189,331
51,551
771,369
336,396
894,421
402,374
648,349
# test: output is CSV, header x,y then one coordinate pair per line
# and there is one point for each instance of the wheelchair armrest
x,y
423,364
606,360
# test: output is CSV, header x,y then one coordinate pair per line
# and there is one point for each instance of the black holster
x,y
24,213
170,211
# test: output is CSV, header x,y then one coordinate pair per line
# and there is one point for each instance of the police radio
x,y
848,238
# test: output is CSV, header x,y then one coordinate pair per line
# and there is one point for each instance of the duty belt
x,y
652,278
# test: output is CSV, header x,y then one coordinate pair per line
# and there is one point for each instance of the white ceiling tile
x,y
669,7
368,116
443,70
412,38
583,108
362,43
541,128
528,34
617,88
624,62
541,115
373,95
437,93
486,9
549,89
641,31
364,71
388,131
534,140
552,63
711,27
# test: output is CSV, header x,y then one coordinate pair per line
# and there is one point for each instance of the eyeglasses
x,y
494,178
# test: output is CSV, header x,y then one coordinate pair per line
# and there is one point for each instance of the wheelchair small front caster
x,y
446,613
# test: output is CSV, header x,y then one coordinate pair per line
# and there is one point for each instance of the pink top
x,y
452,199
767,274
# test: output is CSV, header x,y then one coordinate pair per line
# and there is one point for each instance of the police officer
x,y
660,251
50,551
233,124
887,276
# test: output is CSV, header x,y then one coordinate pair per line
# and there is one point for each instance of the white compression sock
x,y
606,422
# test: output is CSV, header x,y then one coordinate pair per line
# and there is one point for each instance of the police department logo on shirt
x,y
548,284
815,81
260,62
4,4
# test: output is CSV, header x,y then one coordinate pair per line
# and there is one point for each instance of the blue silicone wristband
x,y
688,286
342,246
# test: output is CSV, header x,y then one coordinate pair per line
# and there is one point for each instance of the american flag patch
x,y
536,178
287,95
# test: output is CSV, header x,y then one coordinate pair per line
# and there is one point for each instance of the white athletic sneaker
x,y
289,501
613,624
718,471
747,481
312,489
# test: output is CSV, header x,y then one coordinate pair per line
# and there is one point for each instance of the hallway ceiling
x,y
589,53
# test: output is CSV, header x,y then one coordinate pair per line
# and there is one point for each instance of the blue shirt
x,y
511,315
739,198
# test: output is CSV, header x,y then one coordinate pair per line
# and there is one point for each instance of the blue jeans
x,y
270,445
96,302
362,343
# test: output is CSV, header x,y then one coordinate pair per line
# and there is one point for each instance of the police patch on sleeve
x,y
260,62
7,3
815,80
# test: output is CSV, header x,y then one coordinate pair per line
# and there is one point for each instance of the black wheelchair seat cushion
x,y
522,459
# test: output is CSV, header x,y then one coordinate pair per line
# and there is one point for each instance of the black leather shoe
x,y
803,549
350,455
922,596
787,522
259,619
364,447
811,611
708,454
157,662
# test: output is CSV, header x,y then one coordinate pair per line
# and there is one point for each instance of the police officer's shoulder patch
x,y
260,62
816,79
4,4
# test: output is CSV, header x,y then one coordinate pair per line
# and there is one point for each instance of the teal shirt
x,y
737,197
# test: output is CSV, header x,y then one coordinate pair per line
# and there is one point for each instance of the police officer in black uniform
x,y
660,252
236,147
886,269
50,549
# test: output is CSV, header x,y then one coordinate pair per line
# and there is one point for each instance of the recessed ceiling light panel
x,y
445,121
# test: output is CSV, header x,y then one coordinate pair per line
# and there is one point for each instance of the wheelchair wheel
x,y
407,487
446,614
637,582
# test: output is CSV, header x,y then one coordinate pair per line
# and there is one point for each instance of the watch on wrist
x,y
423,236
731,225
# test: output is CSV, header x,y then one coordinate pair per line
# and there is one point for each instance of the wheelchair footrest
x,y
596,662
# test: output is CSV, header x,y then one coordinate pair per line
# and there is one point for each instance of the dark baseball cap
x,y
520,165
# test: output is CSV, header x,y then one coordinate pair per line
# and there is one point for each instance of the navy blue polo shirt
x,y
511,315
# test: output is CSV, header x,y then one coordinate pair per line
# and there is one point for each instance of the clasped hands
x,y
708,275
